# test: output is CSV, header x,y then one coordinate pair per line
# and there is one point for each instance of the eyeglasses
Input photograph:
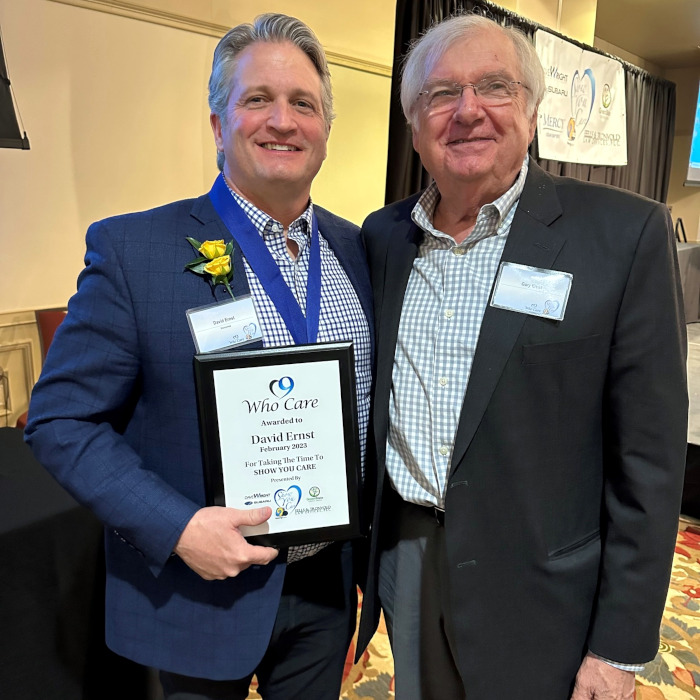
x,y
491,92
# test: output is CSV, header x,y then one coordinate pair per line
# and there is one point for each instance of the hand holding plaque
x,y
213,546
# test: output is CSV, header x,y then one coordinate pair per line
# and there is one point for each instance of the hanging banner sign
x,y
582,118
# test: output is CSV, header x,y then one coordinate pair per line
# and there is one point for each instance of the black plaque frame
x,y
205,365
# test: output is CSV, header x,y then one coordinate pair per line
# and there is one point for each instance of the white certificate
x,y
279,430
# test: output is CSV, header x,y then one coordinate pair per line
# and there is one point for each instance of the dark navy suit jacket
x,y
114,418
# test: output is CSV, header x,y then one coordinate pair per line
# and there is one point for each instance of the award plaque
x,y
279,429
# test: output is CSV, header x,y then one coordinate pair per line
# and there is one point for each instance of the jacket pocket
x,y
574,547
560,352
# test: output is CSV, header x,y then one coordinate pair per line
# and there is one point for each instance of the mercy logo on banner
x,y
582,118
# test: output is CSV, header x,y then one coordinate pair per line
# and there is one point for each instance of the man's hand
x,y
600,681
212,546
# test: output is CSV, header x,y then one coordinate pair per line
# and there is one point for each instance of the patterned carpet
x,y
675,672
673,675
372,677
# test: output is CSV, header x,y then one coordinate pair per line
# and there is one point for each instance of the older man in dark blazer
x,y
114,414
530,405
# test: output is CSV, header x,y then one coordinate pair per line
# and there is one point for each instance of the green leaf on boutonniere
x,y
197,265
218,257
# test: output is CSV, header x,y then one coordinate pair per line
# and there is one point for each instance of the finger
x,y
251,556
254,516
262,555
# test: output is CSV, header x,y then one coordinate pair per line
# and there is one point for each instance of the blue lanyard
x,y
303,330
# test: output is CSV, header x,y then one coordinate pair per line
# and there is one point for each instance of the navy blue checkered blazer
x,y
114,418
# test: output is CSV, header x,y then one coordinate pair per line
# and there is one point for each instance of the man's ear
x,y
328,134
216,129
414,138
533,122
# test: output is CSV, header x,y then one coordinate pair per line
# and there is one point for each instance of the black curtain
x,y
10,136
651,110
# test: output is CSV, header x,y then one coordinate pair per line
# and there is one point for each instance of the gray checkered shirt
x,y
444,303
341,317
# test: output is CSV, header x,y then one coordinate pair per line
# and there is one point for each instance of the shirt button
x,y
459,251
276,228
449,313
443,381
444,450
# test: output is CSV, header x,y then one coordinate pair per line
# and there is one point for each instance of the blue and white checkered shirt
x,y
444,303
341,317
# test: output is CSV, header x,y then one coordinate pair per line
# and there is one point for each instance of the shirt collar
x,y
422,213
266,225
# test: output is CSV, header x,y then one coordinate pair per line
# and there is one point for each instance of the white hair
x,y
429,48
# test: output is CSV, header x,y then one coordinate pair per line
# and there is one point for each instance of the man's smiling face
x,y
473,143
274,138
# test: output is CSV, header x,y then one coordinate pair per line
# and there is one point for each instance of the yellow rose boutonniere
x,y
211,249
219,267
214,262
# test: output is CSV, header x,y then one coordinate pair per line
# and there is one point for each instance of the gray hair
x,y
426,51
274,28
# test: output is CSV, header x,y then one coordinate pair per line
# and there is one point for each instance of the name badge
x,y
532,290
224,325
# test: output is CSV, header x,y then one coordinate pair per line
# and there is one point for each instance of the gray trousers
x,y
412,588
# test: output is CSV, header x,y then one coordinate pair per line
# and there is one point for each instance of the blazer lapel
x,y
530,242
213,228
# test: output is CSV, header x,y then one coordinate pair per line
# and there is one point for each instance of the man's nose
x,y
469,106
281,115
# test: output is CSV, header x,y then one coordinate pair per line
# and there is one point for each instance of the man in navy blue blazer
x,y
114,415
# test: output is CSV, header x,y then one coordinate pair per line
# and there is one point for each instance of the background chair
x,y
47,321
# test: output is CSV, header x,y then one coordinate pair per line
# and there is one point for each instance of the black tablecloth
x,y
52,591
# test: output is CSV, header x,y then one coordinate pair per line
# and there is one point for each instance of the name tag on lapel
x,y
224,325
532,290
